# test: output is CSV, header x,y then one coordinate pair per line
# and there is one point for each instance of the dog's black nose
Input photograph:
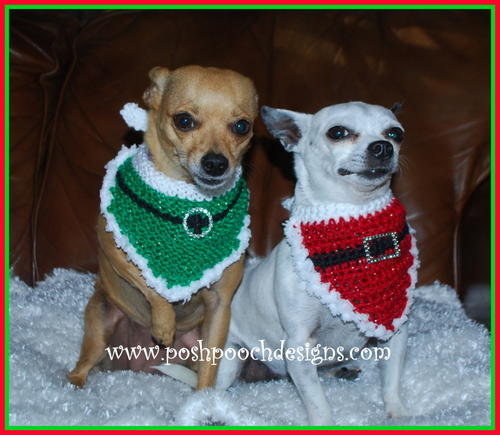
x,y
214,164
381,150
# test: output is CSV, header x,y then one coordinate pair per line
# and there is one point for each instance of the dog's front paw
x,y
77,379
395,409
163,332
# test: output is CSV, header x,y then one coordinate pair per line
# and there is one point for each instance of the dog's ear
x,y
152,95
285,125
396,108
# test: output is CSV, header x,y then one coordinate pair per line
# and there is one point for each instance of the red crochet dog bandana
x,y
361,264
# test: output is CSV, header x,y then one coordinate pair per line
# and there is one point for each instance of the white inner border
x,y
305,268
168,186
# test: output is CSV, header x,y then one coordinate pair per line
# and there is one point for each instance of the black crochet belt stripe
x,y
377,247
195,221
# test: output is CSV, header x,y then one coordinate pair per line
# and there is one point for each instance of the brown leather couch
x,y
71,72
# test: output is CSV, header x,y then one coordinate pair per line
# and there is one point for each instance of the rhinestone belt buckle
x,y
374,259
195,211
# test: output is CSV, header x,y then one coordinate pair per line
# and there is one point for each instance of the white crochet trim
x,y
305,268
335,211
135,117
176,293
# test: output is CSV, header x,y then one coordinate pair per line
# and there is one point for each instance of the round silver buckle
x,y
193,211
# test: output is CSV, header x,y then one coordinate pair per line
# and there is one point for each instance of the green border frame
x,y
490,7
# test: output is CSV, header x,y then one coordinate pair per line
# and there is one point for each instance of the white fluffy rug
x,y
446,377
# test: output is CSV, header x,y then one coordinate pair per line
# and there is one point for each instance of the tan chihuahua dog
x,y
199,126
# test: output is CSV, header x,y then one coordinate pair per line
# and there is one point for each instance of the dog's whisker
x,y
403,164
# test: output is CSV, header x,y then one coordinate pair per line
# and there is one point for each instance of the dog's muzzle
x,y
381,150
379,155
213,171
214,165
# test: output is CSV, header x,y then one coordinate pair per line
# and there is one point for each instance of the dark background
x,y
71,72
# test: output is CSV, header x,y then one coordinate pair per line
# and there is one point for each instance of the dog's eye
x,y
395,133
241,127
184,121
338,132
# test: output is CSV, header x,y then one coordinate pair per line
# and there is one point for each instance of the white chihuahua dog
x,y
346,267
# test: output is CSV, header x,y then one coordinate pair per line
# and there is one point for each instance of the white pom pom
x,y
134,116
287,203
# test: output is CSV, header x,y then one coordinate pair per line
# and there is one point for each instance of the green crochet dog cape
x,y
180,238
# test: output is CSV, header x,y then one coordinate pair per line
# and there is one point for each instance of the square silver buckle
x,y
366,244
